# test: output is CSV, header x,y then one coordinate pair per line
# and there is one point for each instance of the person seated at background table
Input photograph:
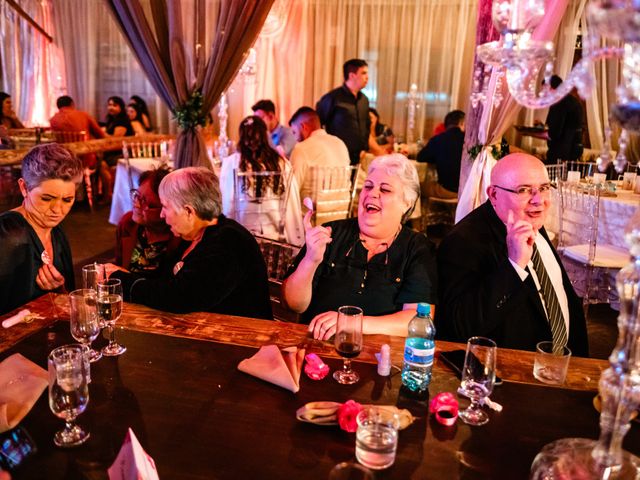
x,y
381,137
117,125
221,270
445,151
6,142
135,117
500,276
35,256
371,261
8,117
281,137
256,155
144,112
144,241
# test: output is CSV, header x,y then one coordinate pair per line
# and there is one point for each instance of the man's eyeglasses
x,y
136,196
527,191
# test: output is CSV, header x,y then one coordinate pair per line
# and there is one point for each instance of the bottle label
x,y
419,351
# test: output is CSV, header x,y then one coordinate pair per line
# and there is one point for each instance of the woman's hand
x,y
49,278
323,325
316,239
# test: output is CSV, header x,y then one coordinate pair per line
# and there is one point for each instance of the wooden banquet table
x,y
178,388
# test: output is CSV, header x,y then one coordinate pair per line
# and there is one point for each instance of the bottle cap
x,y
424,309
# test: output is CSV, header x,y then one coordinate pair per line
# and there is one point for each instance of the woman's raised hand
x,y
316,239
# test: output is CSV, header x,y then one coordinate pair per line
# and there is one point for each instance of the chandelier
x,y
525,59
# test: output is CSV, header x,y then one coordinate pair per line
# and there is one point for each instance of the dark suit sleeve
x,y
427,154
555,121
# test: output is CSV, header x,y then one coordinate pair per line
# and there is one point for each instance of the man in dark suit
x,y
565,121
500,277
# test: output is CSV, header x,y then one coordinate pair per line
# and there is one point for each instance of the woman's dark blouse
x,y
405,273
20,251
224,273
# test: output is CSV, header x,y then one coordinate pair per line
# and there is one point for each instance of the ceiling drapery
x,y
188,47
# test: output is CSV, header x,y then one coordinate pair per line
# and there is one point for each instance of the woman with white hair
x,y
221,270
371,261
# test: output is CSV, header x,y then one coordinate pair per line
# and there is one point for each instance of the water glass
x,y
92,274
478,377
110,309
551,367
84,319
350,471
376,437
348,342
68,392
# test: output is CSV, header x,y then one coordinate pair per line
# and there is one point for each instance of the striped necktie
x,y
554,314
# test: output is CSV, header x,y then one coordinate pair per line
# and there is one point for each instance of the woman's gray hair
x,y
51,161
397,165
195,186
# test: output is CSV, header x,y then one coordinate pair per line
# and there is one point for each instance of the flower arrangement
x,y
497,150
190,114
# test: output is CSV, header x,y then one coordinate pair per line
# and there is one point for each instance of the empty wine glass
x,y
348,342
68,392
85,323
110,309
478,377
92,274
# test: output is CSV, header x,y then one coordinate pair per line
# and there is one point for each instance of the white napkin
x,y
133,462
281,368
21,383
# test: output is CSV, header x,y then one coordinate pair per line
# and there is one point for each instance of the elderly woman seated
x,y
371,261
221,270
144,241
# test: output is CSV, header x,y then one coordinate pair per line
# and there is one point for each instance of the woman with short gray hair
x,y
36,257
396,165
220,270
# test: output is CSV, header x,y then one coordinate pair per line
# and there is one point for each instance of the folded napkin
x,y
21,383
133,462
281,368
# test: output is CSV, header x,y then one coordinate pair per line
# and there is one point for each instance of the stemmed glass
x,y
68,392
85,323
92,274
110,309
478,377
348,342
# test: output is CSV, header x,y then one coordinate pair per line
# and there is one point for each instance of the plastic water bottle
x,y
419,350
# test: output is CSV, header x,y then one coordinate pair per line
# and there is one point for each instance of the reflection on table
x,y
178,387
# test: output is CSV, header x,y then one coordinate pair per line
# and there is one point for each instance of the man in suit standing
x,y
499,275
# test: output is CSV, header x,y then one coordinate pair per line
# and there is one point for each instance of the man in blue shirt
x,y
280,136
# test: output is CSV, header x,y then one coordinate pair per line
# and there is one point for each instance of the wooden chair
x,y
590,265
333,192
89,161
278,256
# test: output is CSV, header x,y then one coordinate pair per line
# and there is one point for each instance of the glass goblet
x,y
110,309
478,377
85,323
68,392
348,342
92,274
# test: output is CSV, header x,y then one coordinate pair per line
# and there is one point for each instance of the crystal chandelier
x,y
524,58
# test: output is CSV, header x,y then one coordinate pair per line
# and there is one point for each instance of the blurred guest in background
x,y
8,117
565,122
5,140
371,261
281,137
117,124
381,138
36,257
135,117
144,112
144,241
221,270
256,155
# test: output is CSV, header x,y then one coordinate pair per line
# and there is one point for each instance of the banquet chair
x,y
333,192
278,256
437,210
143,149
556,172
589,264
586,169
259,202
89,161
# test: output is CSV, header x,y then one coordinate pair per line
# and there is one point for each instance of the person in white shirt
x,y
315,148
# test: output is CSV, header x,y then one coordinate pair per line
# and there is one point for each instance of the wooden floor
x,y
92,238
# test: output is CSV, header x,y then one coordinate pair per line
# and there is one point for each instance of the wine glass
x,y
85,323
348,342
92,274
478,377
110,309
68,392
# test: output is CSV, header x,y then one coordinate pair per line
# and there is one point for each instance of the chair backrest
x,y
259,202
143,149
277,257
586,169
556,171
333,192
69,137
578,219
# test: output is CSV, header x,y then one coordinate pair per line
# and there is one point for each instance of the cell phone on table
x,y
455,360
15,446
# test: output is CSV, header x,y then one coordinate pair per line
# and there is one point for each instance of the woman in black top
x,y
34,253
372,262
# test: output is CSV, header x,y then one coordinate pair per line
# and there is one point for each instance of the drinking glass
x,y
92,274
350,471
68,392
110,309
376,437
85,323
348,342
478,377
